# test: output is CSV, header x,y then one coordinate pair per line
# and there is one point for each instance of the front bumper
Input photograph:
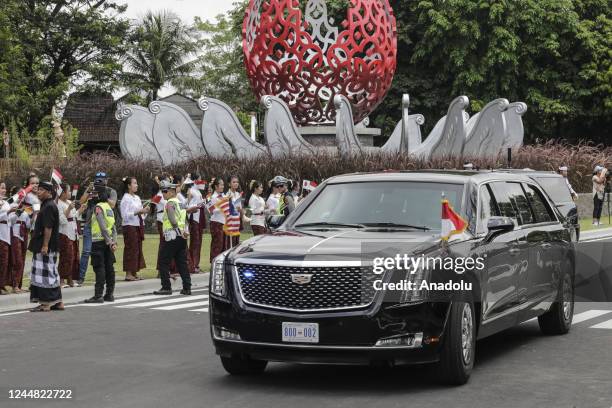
x,y
344,337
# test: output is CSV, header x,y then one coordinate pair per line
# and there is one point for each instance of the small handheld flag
x,y
156,199
452,223
57,177
20,195
75,190
309,185
200,185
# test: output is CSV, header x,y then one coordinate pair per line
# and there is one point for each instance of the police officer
x,y
175,234
286,202
104,244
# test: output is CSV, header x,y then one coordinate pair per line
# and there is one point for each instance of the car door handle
x,y
514,251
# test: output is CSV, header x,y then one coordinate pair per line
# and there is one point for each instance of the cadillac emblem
x,y
301,278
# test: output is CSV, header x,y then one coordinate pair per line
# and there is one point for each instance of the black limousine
x,y
303,293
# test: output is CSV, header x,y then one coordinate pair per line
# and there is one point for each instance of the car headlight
x,y
416,294
217,276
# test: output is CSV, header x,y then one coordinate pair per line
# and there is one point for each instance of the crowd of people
x,y
66,234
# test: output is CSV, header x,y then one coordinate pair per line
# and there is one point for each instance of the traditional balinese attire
x,y
69,258
20,224
6,277
133,233
258,217
217,221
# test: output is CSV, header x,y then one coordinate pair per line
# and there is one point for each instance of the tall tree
x,y
63,43
162,51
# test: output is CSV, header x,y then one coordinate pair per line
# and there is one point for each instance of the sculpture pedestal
x,y
326,135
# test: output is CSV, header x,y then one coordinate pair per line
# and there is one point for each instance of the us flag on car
x,y
452,223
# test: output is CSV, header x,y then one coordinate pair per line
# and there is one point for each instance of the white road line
x,y
603,325
182,306
165,301
134,299
13,313
200,310
588,315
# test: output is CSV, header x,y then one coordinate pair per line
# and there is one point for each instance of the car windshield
x,y
387,204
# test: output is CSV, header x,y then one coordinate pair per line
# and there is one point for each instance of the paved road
x,y
139,353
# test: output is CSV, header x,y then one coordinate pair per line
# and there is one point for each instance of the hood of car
x,y
332,244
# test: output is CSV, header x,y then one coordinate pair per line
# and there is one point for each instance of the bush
x,y
580,158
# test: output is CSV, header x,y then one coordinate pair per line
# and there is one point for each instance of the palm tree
x,y
162,51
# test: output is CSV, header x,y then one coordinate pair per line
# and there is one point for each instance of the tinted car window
x,y
542,211
500,191
487,208
518,199
556,188
400,202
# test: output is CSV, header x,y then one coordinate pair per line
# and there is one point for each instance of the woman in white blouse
x,y
256,207
68,239
5,243
217,219
132,216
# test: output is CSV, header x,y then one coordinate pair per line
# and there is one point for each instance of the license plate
x,y
300,332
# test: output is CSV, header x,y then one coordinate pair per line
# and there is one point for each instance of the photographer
x,y
599,187
89,199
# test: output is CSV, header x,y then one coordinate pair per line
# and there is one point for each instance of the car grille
x,y
329,287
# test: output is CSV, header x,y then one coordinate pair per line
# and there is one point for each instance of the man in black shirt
x,y
44,280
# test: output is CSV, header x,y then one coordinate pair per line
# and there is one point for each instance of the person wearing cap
x,y
599,188
197,221
88,199
103,247
175,241
45,286
286,204
563,171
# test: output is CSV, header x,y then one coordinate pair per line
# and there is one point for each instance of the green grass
x,y
149,246
586,224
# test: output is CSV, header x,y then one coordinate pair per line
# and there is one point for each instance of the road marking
x,y
134,299
200,310
182,306
13,313
588,315
603,325
165,301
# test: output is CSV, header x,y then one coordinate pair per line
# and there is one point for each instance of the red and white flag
x,y
75,190
156,199
452,223
309,185
20,195
200,185
57,177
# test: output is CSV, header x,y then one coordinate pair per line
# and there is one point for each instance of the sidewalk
x,y
9,303
595,234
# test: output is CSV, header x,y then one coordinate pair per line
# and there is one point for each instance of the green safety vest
x,y
179,213
109,218
281,205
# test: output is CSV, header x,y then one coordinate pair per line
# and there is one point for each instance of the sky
x,y
186,9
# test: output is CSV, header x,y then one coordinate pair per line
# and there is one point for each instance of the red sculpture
x,y
304,59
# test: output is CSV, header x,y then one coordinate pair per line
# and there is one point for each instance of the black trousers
x,y
597,207
174,250
102,261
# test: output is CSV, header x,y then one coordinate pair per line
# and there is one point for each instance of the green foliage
x,y
19,147
53,44
71,138
552,54
161,52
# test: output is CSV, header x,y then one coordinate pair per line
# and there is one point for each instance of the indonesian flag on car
x,y
200,185
20,195
452,223
309,185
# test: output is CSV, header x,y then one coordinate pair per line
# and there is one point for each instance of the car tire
x,y
241,365
458,345
558,320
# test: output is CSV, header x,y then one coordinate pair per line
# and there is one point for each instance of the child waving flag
x,y
452,223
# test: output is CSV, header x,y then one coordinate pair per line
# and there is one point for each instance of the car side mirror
x,y
275,221
497,226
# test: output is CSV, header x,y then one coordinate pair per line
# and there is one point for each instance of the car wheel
x,y
239,365
458,345
558,320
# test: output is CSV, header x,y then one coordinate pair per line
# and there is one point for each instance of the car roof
x,y
436,176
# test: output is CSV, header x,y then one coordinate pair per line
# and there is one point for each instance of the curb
x,y
10,303
595,234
